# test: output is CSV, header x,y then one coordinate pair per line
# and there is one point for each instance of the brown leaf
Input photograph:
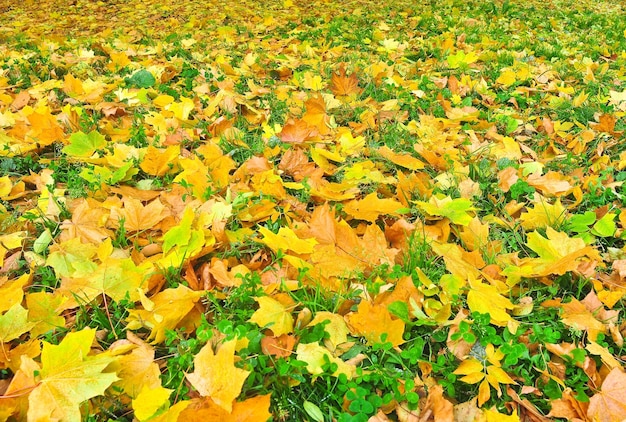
x,y
296,164
527,407
608,404
280,346
619,266
441,408
20,100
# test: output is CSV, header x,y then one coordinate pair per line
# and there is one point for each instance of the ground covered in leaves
x,y
312,210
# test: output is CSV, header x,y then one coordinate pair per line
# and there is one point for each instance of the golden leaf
x,y
484,298
273,315
216,376
371,207
374,322
159,162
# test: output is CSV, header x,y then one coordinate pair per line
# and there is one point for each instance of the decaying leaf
x,y
608,403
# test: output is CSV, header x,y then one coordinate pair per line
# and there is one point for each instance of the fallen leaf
x,y
374,323
486,299
286,240
273,315
297,132
280,346
68,377
343,85
216,376
335,326
371,207
441,408
608,405
164,311
149,401
316,357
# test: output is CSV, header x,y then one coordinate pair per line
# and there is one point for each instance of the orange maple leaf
x,y
374,322
297,131
280,346
316,114
44,127
343,85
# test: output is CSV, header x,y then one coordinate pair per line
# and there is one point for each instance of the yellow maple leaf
x,y
88,222
44,311
370,207
349,144
313,82
14,323
149,401
506,78
544,214
115,278
138,217
475,235
273,315
285,240
403,160
317,356
335,326
136,367
181,109
492,415
159,162
9,242
559,253
5,187
163,311
68,377
484,298
12,291
216,376
45,128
